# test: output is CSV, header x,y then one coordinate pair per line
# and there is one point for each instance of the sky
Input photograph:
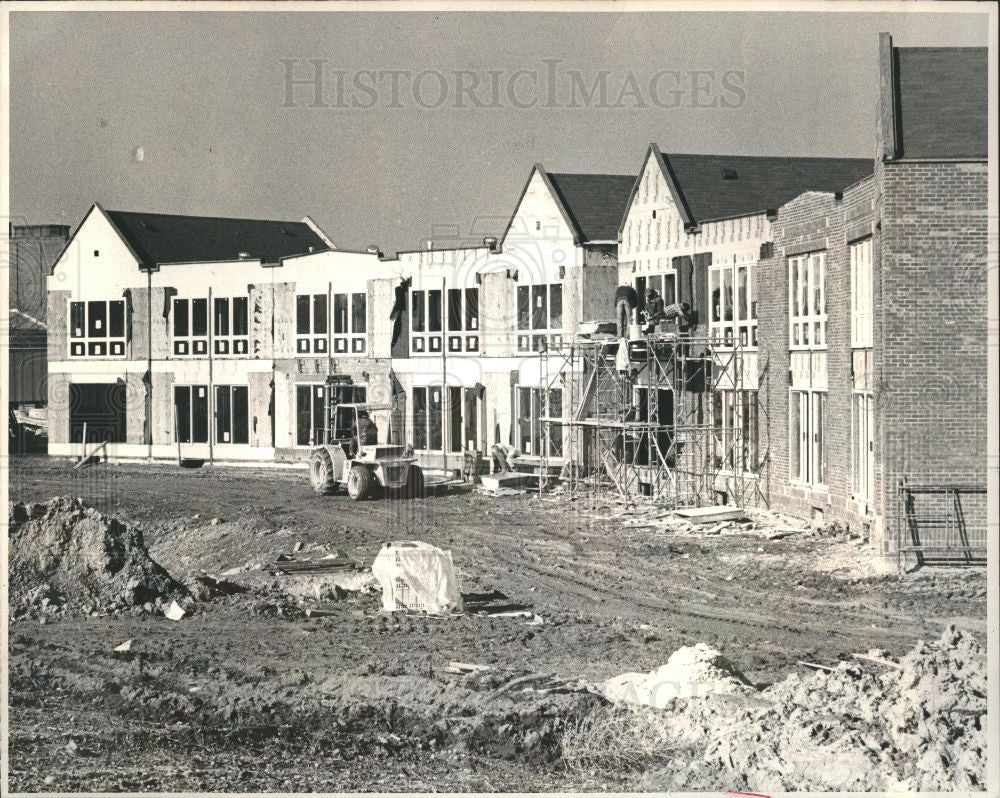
x,y
419,126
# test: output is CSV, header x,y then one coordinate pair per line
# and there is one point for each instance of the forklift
x,y
350,455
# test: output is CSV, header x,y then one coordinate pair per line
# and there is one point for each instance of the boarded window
x,y
471,308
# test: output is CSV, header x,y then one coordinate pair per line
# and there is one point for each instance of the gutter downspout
x,y
211,386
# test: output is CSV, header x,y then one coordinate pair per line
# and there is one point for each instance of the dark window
x,y
199,317
539,312
319,314
116,324
419,417
180,317
97,319
434,420
358,322
340,314
471,308
418,311
523,307
241,325
241,414
434,310
302,314
303,415
232,414
182,412
454,308
455,418
471,419
222,317
555,306
199,414
76,320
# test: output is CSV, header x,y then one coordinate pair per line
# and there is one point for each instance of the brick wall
x,y
812,222
933,323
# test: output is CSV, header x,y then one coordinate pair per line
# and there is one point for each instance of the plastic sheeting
x,y
417,577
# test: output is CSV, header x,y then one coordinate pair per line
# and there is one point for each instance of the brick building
x,y
873,341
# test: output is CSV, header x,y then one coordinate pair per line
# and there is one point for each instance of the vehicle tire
x,y
360,483
321,473
414,483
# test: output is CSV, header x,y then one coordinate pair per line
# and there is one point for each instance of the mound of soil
x,y
690,672
66,557
920,725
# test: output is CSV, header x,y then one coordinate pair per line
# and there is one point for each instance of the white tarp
x,y
417,577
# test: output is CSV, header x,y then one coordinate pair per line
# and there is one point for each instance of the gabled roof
x,y
595,203
941,102
591,205
157,238
709,187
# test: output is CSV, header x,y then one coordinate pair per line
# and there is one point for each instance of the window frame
x,y
862,294
424,431
232,390
317,393
811,447
86,344
315,340
529,336
807,287
191,426
532,421
189,344
353,339
229,343
863,447
740,326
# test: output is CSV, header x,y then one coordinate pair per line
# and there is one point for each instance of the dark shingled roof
x,y
596,203
761,182
164,238
943,100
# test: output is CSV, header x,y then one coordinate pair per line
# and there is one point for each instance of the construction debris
x,y
174,612
711,514
124,647
328,564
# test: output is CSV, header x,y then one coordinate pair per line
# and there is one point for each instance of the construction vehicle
x,y
350,456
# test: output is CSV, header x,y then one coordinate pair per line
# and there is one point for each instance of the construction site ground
x,y
247,694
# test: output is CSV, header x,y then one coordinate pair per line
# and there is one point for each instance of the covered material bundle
x,y
417,577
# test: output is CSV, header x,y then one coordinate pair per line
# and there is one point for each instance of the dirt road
x,y
238,697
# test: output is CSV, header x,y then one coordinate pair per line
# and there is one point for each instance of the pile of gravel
x,y
66,557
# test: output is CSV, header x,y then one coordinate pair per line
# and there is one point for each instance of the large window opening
x,y
862,294
863,446
537,431
539,316
97,328
191,407
311,324
231,325
807,301
310,414
428,427
232,414
733,312
190,327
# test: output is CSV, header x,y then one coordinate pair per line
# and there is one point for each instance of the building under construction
x,y
666,415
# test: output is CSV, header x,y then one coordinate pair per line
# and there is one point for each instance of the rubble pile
x,y
868,724
66,557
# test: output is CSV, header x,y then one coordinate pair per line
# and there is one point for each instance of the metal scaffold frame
x,y
661,428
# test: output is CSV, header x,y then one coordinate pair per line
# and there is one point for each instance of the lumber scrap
x,y
878,661
815,666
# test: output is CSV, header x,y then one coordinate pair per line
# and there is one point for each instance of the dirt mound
x,y
67,557
690,672
917,724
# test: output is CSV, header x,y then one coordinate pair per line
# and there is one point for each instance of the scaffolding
x,y
674,418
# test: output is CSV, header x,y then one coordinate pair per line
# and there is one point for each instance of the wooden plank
x,y
711,514
86,457
878,661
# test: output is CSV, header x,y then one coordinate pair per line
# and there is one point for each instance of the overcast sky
x,y
193,113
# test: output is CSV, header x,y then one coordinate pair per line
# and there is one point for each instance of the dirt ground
x,y
246,694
